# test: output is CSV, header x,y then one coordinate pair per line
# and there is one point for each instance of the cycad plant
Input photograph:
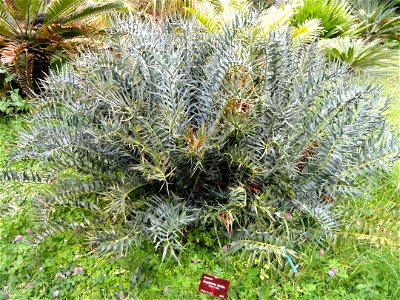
x,y
170,128
282,17
378,17
335,16
32,32
363,56
215,15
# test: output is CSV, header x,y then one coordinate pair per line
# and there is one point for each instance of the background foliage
x,y
34,33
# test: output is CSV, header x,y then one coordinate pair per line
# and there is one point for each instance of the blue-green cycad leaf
x,y
170,127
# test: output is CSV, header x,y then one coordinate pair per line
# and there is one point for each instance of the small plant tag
x,y
214,286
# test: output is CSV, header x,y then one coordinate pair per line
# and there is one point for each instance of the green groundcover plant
x,y
10,100
169,129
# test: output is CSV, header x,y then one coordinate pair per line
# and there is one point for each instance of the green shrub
x,y
170,128
335,16
13,103
379,18
364,57
10,100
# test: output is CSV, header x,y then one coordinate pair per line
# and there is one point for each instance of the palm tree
x,y
33,31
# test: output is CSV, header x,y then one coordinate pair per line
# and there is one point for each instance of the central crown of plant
x,y
170,127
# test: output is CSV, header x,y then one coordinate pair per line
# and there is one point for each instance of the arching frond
x,y
57,9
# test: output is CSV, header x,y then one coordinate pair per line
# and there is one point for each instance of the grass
x,y
391,86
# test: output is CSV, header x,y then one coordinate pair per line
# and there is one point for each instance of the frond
x,y
166,222
25,176
169,125
9,209
113,241
207,20
50,228
378,17
262,247
27,10
363,55
308,32
380,228
8,24
57,9
118,198
276,17
214,15
93,11
335,16
70,193
326,222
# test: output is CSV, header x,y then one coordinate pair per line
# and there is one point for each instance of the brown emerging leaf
x,y
254,188
195,140
306,156
327,199
236,106
10,52
227,219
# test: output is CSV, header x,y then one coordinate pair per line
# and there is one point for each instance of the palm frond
x,y
8,26
93,11
335,16
363,55
309,31
60,8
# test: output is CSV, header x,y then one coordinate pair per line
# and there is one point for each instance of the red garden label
x,y
214,286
